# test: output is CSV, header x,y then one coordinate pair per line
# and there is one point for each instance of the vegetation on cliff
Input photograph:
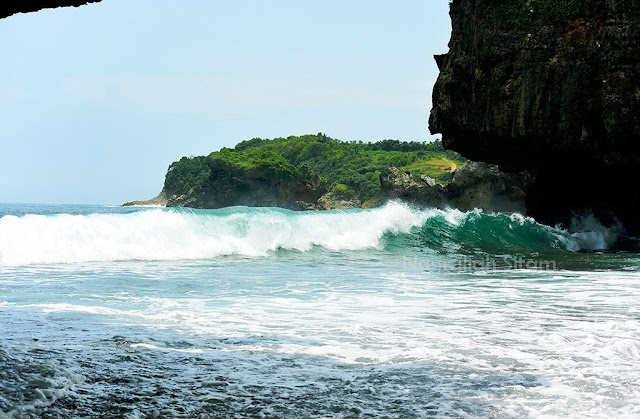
x,y
350,169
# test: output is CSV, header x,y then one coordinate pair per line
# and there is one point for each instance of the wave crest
x,y
180,234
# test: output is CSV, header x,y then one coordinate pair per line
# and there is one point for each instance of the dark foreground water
x,y
392,312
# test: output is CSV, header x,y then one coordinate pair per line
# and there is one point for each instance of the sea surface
x,y
392,312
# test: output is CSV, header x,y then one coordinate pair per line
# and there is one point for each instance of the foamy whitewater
x,y
263,312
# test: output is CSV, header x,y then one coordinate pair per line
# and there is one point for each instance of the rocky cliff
x,y
474,185
551,87
228,185
11,7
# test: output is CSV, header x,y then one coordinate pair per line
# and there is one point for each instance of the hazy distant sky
x,y
96,101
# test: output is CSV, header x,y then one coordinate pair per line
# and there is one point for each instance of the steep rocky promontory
x,y
298,172
11,7
231,185
318,172
551,87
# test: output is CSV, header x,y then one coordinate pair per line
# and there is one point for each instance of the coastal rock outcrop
x,y
474,185
229,185
403,185
333,200
11,7
160,200
549,87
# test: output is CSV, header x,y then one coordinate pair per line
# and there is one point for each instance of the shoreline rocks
x,y
474,185
160,199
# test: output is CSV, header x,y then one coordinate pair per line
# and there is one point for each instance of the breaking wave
x,y
182,234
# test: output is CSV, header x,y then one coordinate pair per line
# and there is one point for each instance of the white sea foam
x,y
567,349
371,335
178,235
39,385
588,233
183,235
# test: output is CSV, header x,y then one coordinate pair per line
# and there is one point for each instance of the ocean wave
x,y
182,234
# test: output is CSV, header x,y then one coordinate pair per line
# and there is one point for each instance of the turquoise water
x,y
396,312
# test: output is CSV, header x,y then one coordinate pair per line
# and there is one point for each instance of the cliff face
x,y
552,88
474,185
11,7
228,185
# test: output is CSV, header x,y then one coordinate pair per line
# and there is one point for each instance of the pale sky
x,y
97,101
